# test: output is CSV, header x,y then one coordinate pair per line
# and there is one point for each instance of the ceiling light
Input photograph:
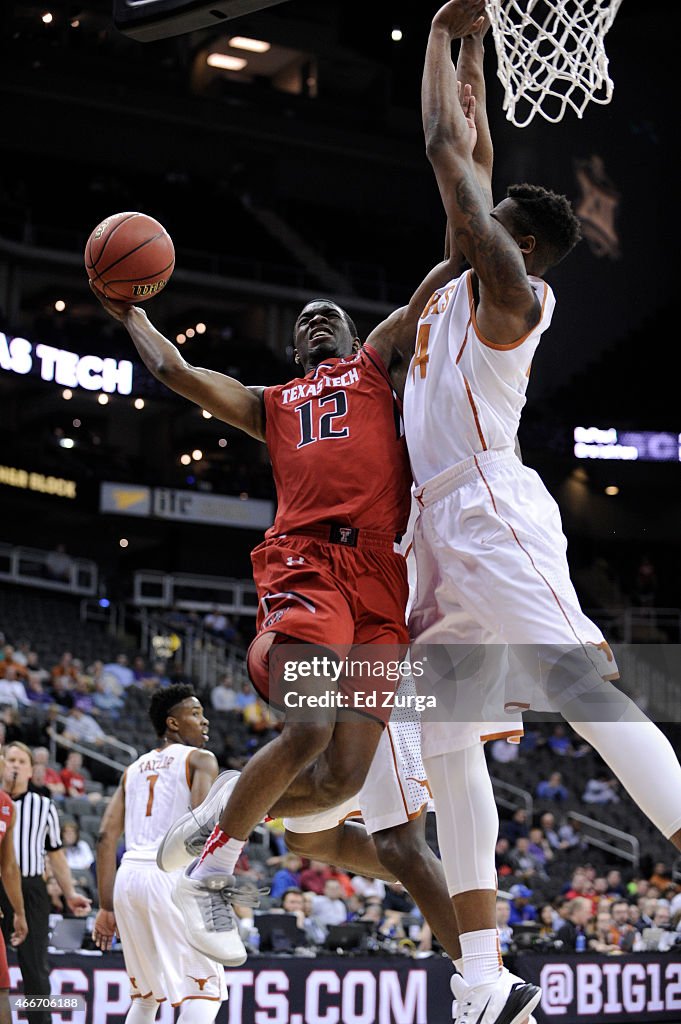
x,y
47,18
180,339
139,403
223,442
224,62
185,459
252,45
67,393
190,332
103,399
396,35
200,328
67,442
76,423
612,490
76,24
197,454
123,542
206,415
60,305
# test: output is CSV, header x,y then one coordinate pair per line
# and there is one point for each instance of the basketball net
x,y
551,55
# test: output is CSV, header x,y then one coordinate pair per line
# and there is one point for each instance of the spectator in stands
x,y
623,931
314,877
287,877
562,744
661,877
579,914
59,564
223,696
522,861
83,696
616,886
62,696
217,623
502,853
36,692
397,900
121,670
65,667
107,690
246,696
552,788
516,827
520,907
292,903
259,717
79,855
540,848
35,669
82,728
315,930
12,690
74,781
504,752
605,937
52,778
546,917
601,790
330,908
503,927
10,664
369,888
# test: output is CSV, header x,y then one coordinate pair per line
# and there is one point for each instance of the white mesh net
x,y
551,55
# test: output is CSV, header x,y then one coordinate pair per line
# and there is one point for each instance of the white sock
x,y
643,759
219,856
198,1011
481,959
142,1011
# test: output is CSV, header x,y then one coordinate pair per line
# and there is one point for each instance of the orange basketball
x,y
129,257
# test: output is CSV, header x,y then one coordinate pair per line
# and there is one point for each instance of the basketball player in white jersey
x,y
490,551
135,902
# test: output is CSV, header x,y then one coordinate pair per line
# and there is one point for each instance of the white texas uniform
x,y
395,789
158,959
490,551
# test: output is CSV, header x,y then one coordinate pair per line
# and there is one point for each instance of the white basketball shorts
x,y
496,615
158,959
395,789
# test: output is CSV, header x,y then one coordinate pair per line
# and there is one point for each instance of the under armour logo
x,y
295,561
201,982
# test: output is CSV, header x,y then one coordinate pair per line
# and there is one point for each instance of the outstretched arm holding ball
x,y
224,397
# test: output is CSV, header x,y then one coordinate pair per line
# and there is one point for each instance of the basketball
x,y
129,257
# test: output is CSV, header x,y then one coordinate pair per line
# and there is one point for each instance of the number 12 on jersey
x,y
324,429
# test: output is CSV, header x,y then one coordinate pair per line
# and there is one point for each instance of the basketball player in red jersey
x,y
327,572
11,881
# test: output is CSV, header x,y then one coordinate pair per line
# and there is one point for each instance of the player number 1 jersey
x,y
157,792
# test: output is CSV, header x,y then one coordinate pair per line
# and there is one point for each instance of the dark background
x,y
94,122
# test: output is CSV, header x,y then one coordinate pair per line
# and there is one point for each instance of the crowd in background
x,y
553,892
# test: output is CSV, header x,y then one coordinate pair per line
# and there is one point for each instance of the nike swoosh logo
x,y
483,1011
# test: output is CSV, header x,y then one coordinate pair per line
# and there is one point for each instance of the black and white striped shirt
x,y
36,830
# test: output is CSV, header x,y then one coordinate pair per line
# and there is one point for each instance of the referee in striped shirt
x,y
37,838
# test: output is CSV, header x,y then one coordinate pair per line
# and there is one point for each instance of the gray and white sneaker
x,y
509,1000
206,904
186,838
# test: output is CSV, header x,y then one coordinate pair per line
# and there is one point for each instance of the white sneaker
x,y
509,1000
455,1004
206,906
186,838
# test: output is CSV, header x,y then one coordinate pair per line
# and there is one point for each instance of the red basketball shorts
x,y
336,597
4,969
